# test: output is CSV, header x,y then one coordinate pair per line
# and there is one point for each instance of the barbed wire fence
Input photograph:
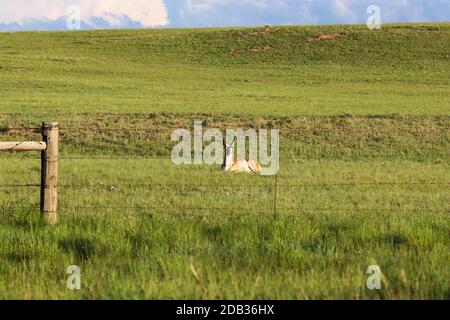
x,y
276,183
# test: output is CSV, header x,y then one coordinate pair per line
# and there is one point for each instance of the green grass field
x,y
364,177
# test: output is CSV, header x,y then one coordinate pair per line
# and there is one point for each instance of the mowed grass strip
x,y
254,71
347,136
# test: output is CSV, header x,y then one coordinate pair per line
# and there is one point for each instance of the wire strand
x,y
224,185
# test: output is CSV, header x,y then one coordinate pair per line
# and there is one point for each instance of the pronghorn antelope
x,y
239,164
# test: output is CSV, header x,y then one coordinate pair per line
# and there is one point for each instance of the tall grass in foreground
x,y
129,254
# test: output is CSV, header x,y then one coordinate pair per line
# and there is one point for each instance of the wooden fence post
x,y
49,172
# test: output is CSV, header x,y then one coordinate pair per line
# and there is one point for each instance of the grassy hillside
x,y
288,70
364,177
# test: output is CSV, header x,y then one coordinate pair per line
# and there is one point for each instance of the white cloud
x,y
150,13
343,9
204,5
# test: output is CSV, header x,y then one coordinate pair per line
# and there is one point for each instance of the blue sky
x,y
54,14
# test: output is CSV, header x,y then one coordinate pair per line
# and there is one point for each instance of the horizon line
x,y
220,27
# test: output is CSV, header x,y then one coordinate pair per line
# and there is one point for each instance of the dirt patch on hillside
x,y
16,69
261,49
234,52
263,32
419,27
326,36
